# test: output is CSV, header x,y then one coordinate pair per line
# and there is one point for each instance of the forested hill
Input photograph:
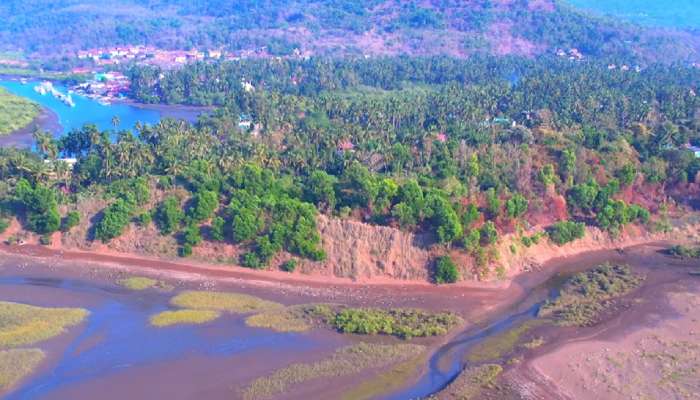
x,y
333,27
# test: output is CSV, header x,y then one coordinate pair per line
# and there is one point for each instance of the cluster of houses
x,y
148,55
168,58
624,68
104,86
572,54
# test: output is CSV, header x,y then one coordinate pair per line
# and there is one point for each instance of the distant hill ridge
x,y
51,28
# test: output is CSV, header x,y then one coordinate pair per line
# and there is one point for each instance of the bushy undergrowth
x,y
585,295
404,323
684,252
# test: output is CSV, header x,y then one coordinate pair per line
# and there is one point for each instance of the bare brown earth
x,y
646,347
357,252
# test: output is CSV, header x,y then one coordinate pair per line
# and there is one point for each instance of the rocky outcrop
x,y
361,251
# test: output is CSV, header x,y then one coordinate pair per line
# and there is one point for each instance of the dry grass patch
x,y
16,364
221,301
387,382
180,317
143,283
22,324
500,345
346,361
471,382
290,319
16,112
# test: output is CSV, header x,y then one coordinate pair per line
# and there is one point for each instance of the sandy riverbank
x,y
475,304
22,138
646,347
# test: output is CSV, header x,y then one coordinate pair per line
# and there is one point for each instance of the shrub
x,y
70,221
192,235
251,260
489,234
114,220
45,240
446,271
145,219
205,202
685,252
472,240
40,206
289,265
516,206
564,232
4,224
217,229
169,215
185,250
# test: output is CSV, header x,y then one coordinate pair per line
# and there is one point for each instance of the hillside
x,y
51,28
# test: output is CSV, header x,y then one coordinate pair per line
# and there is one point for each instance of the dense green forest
x,y
463,151
56,28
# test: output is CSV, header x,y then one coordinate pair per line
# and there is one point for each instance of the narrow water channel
x,y
450,360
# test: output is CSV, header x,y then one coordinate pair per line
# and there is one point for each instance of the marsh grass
x,y
586,295
15,112
399,322
500,345
16,364
22,324
386,382
346,361
291,319
534,343
471,382
183,317
225,302
143,283
403,323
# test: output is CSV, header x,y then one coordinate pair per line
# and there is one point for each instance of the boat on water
x,y
44,88
47,87
23,81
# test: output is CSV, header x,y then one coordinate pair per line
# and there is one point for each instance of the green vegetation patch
x,y
684,252
500,345
22,324
404,323
585,295
143,283
346,361
16,364
179,317
220,301
471,382
15,112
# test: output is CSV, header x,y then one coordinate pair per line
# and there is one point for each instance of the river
x,y
62,118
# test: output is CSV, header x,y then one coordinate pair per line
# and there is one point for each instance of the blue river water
x,y
88,111
118,336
